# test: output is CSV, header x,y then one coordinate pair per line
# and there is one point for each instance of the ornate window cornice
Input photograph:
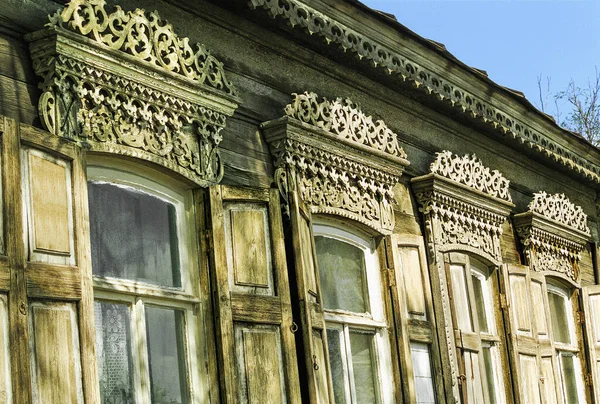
x,y
553,233
464,204
342,162
431,83
126,83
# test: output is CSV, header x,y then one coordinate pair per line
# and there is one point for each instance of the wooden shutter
x,y
257,353
413,311
51,312
590,297
532,353
314,337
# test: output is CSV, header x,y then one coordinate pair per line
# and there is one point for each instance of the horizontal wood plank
x,y
53,281
50,143
245,194
420,331
255,308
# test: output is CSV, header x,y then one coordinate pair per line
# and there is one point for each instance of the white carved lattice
x,y
470,171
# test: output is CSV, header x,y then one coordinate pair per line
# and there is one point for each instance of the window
x,y
474,312
356,327
565,343
145,289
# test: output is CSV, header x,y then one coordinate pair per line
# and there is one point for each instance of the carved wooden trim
x,y
339,160
464,204
431,83
125,83
553,233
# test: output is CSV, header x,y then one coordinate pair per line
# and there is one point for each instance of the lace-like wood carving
x,y
466,204
340,160
126,83
553,232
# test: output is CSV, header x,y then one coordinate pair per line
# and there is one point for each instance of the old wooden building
x,y
269,201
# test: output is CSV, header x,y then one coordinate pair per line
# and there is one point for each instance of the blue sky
x,y
513,40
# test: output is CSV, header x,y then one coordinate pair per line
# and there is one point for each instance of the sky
x,y
515,41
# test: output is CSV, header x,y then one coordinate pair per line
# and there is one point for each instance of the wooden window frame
x,y
573,347
374,322
136,295
465,340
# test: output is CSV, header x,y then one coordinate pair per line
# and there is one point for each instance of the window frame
x,y
136,295
491,339
373,321
562,349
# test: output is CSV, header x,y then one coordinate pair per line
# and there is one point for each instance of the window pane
x,y
133,235
113,350
569,379
364,367
478,289
342,274
337,365
558,313
422,369
166,355
490,371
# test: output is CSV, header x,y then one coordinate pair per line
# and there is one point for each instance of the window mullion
x,y
349,363
142,370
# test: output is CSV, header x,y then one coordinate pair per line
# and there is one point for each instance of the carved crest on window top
x,y
464,204
126,83
346,120
146,37
553,233
338,160
470,171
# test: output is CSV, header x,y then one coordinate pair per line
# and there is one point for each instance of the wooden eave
x,y
537,134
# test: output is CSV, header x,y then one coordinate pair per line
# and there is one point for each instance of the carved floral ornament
x,y
553,232
464,204
404,66
126,83
337,158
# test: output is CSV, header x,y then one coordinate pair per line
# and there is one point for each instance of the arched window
x,y
145,288
359,350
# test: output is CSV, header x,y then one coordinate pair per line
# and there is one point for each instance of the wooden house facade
x,y
282,201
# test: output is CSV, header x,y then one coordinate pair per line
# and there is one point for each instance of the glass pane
x,y
569,379
364,367
337,365
113,350
166,354
461,302
133,235
488,361
478,289
422,369
558,313
342,274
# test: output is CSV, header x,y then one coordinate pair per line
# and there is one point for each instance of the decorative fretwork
x,y
124,82
466,203
470,171
558,207
344,118
145,36
341,162
553,232
434,84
